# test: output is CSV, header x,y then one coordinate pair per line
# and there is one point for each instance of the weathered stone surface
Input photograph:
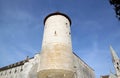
x,y
55,73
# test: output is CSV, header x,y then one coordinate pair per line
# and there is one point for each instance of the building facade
x,y
56,58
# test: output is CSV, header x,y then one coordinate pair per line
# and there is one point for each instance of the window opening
x,y
118,68
66,23
10,72
1,74
21,69
55,33
15,70
5,73
69,33
117,63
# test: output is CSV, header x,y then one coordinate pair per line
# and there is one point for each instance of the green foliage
x,y
116,5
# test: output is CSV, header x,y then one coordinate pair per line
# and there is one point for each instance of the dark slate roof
x,y
57,13
15,64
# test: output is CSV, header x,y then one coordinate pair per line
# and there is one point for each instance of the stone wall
x,y
12,73
30,69
27,70
82,70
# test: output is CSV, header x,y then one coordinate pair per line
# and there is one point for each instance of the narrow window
x,y
55,32
118,68
117,63
5,73
69,33
15,70
10,72
66,23
1,74
21,70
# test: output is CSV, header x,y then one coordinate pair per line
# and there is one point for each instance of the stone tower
x,y
56,52
56,59
116,62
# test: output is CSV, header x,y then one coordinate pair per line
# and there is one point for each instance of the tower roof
x,y
57,13
113,53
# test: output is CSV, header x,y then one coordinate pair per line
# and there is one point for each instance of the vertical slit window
x,y
15,70
10,72
118,68
21,69
117,63
55,33
69,33
66,23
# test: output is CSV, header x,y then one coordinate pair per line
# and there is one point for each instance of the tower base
x,y
55,73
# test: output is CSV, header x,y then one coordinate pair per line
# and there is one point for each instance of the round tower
x,y
56,53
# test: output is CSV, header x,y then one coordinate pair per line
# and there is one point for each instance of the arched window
x,y
118,68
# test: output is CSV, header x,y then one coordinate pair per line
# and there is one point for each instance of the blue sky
x,y
94,28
